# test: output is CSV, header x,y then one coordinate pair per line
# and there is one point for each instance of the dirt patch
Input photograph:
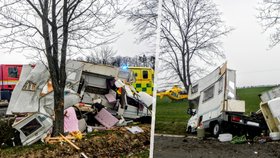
x,y
114,143
212,148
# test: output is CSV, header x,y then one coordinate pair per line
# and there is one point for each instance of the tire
x,y
216,129
189,129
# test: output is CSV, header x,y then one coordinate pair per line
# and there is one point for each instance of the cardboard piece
x,y
106,118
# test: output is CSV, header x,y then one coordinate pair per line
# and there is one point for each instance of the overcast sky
x,y
126,45
246,47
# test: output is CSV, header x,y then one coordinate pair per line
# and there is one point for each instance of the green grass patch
x,y
250,95
171,117
23,149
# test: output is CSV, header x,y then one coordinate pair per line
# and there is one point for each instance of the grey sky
x,y
125,45
246,47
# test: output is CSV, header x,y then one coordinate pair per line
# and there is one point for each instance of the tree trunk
x,y
188,72
58,125
185,74
191,105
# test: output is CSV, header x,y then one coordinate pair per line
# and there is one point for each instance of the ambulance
x,y
144,79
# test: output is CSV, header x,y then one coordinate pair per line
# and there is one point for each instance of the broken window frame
x,y
27,130
29,86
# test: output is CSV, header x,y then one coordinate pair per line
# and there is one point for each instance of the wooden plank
x,y
271,122
223,68
58,139
67,140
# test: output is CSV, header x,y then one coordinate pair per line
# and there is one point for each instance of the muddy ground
x,y
118,142
191,147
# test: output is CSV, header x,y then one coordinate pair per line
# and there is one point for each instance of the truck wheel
x,y
216,129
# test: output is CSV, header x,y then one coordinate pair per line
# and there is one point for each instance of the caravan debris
x,y
226,137
135,129
106,118
90,100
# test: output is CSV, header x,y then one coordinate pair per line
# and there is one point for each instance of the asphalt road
x,y
191,147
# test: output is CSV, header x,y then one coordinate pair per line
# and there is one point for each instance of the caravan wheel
x,y
216,129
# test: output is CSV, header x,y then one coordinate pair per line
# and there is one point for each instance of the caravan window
x,y
194,89
221,85
31,127
208,94
96,81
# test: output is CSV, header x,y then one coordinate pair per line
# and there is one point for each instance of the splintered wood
x,y
68,141
58,139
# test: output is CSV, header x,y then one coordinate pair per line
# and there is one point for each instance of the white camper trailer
x,y
98,82
216,106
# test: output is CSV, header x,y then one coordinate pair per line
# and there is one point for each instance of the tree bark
x,y
58,126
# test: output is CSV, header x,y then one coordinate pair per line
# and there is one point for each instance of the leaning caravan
x,y
216,106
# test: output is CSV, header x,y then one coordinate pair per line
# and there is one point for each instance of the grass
x,y
250,95
23,149
171,117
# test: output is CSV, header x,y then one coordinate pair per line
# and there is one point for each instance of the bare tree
x,y
117,61
55,28
103,56
269,18
190,36
144,18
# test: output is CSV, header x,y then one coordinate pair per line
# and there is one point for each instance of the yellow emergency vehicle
x,y
144,79
175,93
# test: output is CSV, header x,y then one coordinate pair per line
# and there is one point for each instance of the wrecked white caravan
x,y
29,98
269,106
217,109
99,83
86,83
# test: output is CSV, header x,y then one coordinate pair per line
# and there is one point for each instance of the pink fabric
x,y
70,120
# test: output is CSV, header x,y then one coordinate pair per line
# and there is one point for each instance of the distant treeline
x,y
268,85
